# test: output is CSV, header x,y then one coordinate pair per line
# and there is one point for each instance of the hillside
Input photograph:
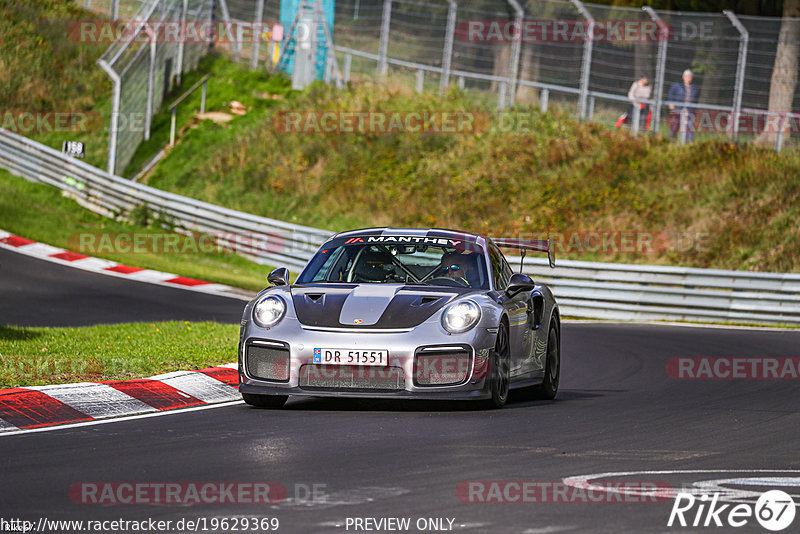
x,y
606,195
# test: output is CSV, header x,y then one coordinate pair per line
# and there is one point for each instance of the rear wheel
x,y
264,401
552,368
499,372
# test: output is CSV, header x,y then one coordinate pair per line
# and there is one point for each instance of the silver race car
x,y
402,313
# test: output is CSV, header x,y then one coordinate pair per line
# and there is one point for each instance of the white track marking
x,y
200,386
727,494
5,426
687,325
95,400
119,419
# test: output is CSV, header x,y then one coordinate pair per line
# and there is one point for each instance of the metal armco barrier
x,y
584,289
267,240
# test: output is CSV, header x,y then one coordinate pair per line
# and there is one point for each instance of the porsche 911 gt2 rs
x,y
402,313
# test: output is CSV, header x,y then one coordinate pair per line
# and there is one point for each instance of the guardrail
x,y
583,289
266,240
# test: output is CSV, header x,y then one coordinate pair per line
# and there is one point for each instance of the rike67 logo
x,y
774,510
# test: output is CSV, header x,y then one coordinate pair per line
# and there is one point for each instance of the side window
x,y
507,272
500,282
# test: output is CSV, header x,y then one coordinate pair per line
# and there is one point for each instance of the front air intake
x,y
267,361
442,366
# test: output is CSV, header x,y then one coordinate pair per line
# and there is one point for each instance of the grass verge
x,y
40,356
41,213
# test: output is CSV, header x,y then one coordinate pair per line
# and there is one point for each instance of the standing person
x,y
681,94
640,90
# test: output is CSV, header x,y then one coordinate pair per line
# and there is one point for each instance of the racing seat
x,y
372,265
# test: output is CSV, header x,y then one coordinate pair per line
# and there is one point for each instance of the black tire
x,y
265,401
499,370
552,368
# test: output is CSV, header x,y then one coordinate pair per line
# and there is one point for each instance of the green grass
x,y
256,90
41,213
45,69
38,356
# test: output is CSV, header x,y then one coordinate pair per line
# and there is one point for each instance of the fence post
x,y
684,125
148,113
447,54
173,121
348,61
586,61
544,97
516,49
384,44
255,46
420,81
741,63
226,16
779,136
502,87
663,37
114,9
637,115
113,130
182,40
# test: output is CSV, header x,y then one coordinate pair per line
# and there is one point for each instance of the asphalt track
x,y
35,292
617,411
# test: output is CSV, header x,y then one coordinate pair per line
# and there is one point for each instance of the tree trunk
x,y
784,73
502,58
528,71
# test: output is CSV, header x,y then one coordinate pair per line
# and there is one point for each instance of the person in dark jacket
x,y
679,95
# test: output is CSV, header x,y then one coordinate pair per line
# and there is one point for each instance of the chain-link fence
x,y
152,44
585,56
580,56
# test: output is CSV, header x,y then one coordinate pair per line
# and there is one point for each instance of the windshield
x,y
433,265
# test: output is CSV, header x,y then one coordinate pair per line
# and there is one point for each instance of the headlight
x,y
268,311
461,316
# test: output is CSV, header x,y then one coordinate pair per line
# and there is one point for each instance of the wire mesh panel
x,y
552,49
166,38
490,46
417,34
358,27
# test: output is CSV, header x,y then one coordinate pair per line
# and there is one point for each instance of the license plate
x,y
351,357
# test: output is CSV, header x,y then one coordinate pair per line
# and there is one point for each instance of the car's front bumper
x,y
409,352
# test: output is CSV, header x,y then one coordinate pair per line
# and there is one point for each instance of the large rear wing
x,y
538,245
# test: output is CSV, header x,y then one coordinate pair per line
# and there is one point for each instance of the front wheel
x,y
552,370
264,401
499,372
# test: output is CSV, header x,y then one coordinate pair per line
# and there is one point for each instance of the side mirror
x,y
279,277
519,282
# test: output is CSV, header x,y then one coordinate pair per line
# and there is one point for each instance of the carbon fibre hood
x,y
369,305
